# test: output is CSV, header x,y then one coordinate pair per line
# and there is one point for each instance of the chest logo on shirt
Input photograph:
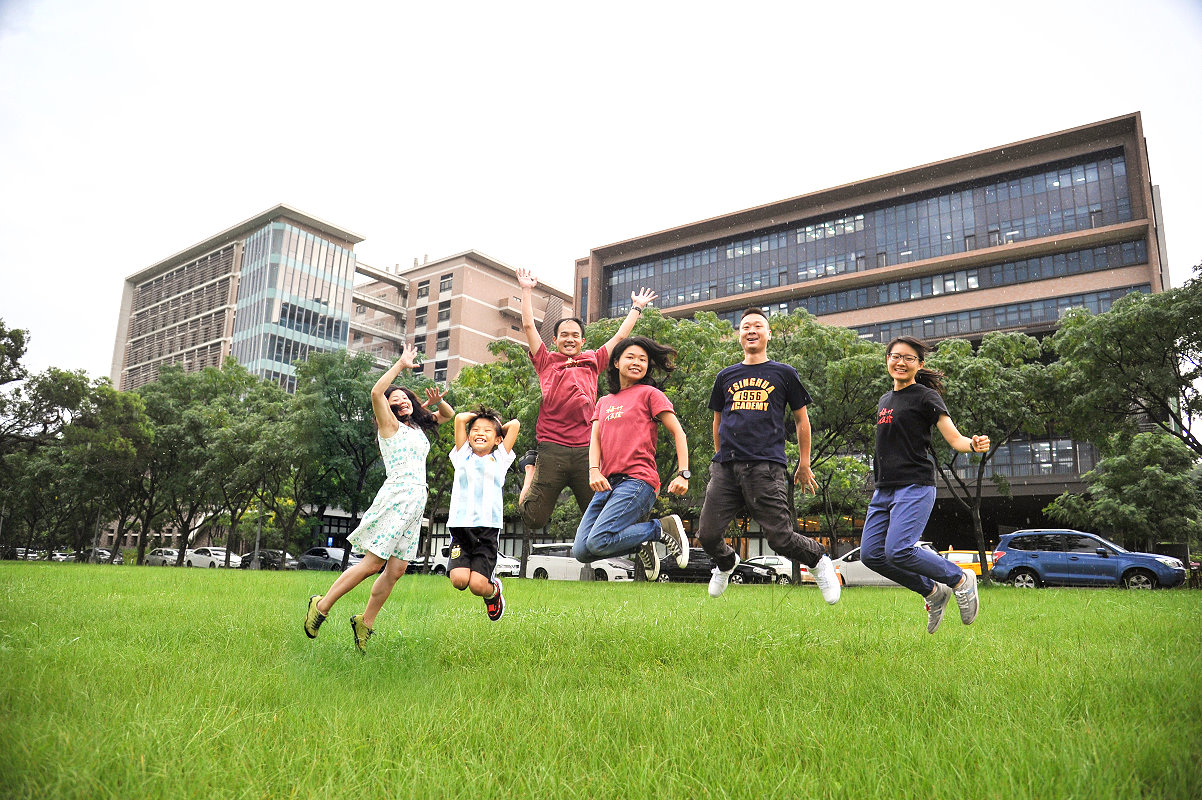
x,y
613,412
750,394
884,416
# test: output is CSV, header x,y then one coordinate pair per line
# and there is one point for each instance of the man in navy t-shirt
x,y
749,473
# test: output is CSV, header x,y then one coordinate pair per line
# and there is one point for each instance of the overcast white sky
x,y
131,129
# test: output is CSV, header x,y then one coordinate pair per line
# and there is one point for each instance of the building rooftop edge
x,y
489,261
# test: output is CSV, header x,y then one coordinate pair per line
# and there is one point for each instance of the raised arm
x,y
441,408
510,431
527,282
638,301
679,484
957,440
385,419
461,428
804,475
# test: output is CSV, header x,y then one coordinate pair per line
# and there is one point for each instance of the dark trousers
x,y
761,490
557,466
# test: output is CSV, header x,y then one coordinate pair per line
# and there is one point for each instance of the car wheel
x,y
736,578
187,563
1025,579
1139,579
783,579
540,574
600,575
663,577
335,568
213,565
439,570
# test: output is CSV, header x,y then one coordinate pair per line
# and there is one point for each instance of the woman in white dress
x,y
388,532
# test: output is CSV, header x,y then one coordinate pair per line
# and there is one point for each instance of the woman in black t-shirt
x,y
905,485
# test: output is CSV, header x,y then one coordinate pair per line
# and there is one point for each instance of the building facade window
x,y
423,289
444,311
443,343
440,370
444,283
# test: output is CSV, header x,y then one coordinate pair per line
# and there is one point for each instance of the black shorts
x,y
474,549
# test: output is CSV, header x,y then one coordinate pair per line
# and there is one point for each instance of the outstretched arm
x,y
638,301
957,440
527,282
385,419
679,484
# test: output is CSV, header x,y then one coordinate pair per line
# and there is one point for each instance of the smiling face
x,y
632,365
569,339
400,403
483,436
754,334
903,363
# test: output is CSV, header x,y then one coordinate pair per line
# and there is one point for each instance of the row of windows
x,y
444,285
444,314
1023,458
312,323
1090,193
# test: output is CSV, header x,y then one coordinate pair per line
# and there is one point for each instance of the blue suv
x,y
1033,558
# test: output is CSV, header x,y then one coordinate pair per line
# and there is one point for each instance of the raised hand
x,y
409,355
434,395
526,278
643,297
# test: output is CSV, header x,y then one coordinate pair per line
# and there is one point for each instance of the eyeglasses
x,y
906,357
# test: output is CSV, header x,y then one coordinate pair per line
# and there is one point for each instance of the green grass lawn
x,y
130,682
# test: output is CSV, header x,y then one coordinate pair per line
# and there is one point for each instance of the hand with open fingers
x,y
526,278
805,477
679,485
409,356
434,395
980,444
642,298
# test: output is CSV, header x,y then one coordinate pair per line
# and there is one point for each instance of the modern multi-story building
x,y
455,307
1003,239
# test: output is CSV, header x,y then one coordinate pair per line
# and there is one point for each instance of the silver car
x,y
852,572
327,558
162,557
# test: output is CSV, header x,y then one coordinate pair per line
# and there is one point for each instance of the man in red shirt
x,y
567,376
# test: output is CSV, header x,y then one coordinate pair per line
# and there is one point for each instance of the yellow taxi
x,y
968,559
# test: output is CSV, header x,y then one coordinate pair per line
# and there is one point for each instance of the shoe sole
x,y
677,533
738,561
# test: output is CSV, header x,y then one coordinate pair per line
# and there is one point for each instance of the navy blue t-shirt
x,y
751,399
903,434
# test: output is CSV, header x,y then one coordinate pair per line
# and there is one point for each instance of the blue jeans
x,y
896,518
610,525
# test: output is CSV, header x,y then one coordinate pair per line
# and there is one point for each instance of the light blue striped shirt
x,y
476,500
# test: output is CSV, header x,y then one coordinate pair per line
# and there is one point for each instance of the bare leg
x,y
482,585
382,588
526,482
348,580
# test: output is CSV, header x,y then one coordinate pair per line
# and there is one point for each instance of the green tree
x,y
1142,357
1145,490
994,390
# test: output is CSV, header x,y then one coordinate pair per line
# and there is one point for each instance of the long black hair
x,y
420,416
659,356
931,378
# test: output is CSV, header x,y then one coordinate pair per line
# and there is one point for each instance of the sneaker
x,y
650,558
361,633
313,617
827,580
495,606
966,598
721,578
935,606
677,544
527,460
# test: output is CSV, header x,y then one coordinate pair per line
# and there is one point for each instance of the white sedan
x,y
852,571
210,557
162,557
554,560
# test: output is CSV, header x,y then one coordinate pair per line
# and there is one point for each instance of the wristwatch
x,y
684,473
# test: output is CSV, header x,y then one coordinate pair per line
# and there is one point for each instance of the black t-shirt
x,y
903,434
751,399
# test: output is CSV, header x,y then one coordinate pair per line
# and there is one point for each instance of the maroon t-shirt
x,y
569,394
629,431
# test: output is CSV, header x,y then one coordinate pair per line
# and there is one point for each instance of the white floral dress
x,y
391,526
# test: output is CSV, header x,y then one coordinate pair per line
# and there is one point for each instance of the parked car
x,y
782,568
102,556
328,558
60,555
852,572
701,567
269,559
507,567
210,557
1039,557
554,560
162,557
968,559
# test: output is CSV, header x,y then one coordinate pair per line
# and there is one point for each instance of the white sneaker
x,y
676,543
827,580
720,579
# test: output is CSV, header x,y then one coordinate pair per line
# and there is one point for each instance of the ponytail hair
x,y
930,378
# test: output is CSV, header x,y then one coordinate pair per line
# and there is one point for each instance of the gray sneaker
x,y
966,598
936,605
677,544
721,578
650,558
